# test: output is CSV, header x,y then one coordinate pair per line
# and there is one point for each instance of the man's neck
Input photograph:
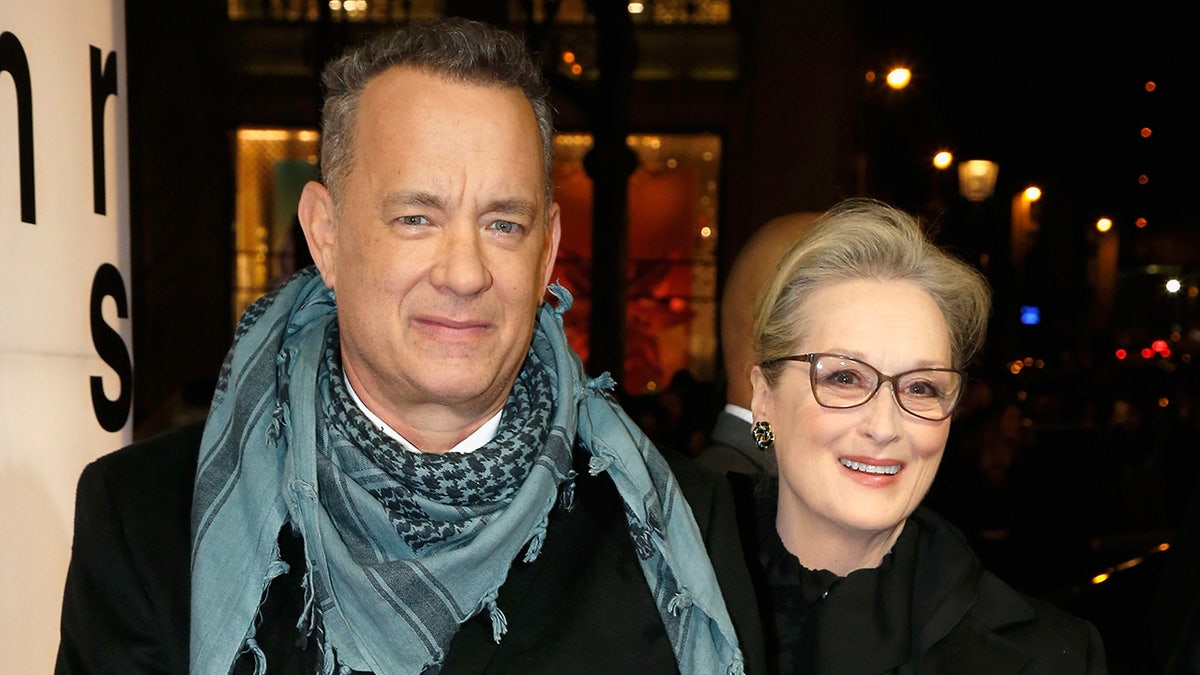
x,y
458,438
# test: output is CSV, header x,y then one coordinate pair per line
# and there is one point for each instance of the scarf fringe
x,y
308,615
566,497
563,298
603,382
260,659
534,549
328,661
276,568
499,621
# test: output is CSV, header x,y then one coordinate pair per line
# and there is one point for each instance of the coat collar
x,y
955,599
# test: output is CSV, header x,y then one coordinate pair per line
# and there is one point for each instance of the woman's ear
x,y
319,222
760,400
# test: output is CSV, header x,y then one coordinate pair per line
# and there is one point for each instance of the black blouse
x,y
823,623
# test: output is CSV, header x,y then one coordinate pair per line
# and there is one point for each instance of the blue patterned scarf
x,y
401,547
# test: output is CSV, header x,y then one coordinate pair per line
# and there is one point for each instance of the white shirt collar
x,y
471,443
739,412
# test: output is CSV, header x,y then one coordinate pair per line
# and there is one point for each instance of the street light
x,y
977,179
899,77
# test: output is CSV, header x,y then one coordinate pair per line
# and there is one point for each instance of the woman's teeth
x,y
889,470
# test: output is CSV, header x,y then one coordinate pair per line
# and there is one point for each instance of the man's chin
x,y
478,390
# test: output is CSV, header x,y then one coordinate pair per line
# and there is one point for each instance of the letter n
x,y
13,62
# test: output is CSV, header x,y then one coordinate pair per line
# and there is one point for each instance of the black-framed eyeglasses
x,y
843,382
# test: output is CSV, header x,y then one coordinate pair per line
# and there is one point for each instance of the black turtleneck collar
x,y
829,624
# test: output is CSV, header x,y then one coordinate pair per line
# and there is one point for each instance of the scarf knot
x,y
643,543
681,602
602,383
302,488
598,464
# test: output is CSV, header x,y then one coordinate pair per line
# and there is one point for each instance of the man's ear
x,y
550,251
318,219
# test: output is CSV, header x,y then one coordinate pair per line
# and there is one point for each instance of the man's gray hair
x,y
457,49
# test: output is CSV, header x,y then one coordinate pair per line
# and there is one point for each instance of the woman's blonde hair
x,y
867,239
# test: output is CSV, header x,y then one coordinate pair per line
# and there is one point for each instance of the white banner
x,y
66,338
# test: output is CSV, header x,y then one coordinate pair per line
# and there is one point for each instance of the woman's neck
x,y
821,545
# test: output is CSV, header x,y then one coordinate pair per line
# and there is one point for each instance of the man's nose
x,y
461,266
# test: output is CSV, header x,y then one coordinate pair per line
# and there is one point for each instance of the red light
x,y
1121,354
1146,354
1159,346
1166,353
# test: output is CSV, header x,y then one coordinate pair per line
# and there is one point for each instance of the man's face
x,y
440,249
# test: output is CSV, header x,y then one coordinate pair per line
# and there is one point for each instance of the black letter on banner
x,y
111,348
13,62
104,84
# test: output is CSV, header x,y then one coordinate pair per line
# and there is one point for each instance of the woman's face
x,y
856,471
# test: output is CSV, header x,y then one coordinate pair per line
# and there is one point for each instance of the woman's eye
x,y
845,377
923,389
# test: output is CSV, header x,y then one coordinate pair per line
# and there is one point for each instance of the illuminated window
x,y
664,12
339,10
271,166
673,233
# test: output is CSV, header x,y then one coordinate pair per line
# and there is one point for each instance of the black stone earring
x,y
764,436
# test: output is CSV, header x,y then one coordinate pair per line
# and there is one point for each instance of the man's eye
x,y
506,226
412,220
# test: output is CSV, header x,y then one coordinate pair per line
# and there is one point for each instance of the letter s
x,y
108,343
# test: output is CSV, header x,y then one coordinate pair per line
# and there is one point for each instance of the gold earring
x,y
764,436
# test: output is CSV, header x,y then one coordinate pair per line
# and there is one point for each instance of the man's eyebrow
x,y
516,206
418,198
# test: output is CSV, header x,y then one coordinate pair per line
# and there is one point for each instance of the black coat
x,y
963,618
582,606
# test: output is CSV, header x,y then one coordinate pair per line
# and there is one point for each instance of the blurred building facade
x,y
690,112
683,125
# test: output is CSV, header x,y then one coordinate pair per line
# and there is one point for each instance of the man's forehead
x,y
418,78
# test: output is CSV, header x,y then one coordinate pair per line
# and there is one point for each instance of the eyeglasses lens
x,y
840,382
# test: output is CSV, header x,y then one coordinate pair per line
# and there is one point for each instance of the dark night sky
x,y
1056,96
